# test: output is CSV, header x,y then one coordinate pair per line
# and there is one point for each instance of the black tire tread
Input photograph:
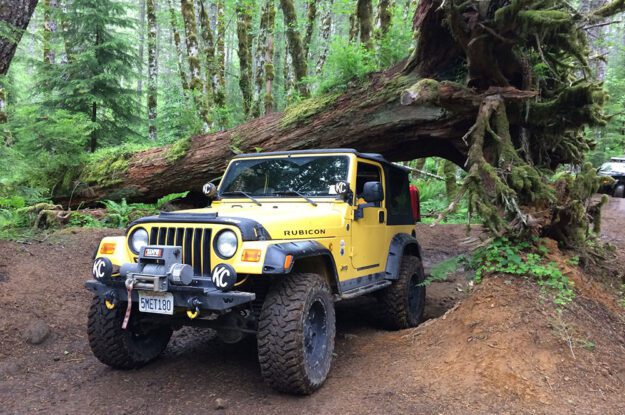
x,y
280,333
110,343
394,304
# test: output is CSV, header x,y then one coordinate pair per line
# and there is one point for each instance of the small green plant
x,y
523,258
442,270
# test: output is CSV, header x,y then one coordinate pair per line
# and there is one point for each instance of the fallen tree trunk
x,y
370,119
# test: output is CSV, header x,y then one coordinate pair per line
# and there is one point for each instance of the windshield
x,y
612,168
310,176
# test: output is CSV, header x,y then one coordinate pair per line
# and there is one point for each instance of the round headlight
x,y
138,239
226,244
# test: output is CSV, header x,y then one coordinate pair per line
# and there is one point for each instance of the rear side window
x,y
398,198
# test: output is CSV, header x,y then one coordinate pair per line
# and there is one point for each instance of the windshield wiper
x,y
239,192
295,192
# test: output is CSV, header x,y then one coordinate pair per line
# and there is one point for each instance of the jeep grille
x,y
195,243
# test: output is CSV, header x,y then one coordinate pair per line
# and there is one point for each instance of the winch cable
x,y
130,283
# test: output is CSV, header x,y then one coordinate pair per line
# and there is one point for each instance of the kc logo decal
x,y
102,267
224,277
341,187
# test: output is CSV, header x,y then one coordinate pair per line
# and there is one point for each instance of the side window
x,y
398,200
366,173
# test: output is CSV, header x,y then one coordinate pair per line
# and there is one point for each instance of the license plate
x,y
161,303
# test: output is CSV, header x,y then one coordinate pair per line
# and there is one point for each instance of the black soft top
x,y
367,156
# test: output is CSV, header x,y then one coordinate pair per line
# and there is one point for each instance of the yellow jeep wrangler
x,y
286,235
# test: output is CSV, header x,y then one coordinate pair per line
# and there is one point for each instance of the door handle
x,y
381,216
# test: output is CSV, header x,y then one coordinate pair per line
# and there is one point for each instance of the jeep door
x,y
369,247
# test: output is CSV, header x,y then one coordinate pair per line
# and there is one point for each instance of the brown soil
x,y
499,348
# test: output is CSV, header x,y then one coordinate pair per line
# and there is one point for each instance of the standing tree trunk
x,y
16,13
364,14
152,69
449,172
195,85
596,40
296,50
220,97
179,55
244,23
324,36
269,67
311,16
264,52
209,53
49,29
141,47
384,16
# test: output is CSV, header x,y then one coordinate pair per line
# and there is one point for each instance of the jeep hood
x,y
285,220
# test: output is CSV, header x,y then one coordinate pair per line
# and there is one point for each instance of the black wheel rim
x,y
316,336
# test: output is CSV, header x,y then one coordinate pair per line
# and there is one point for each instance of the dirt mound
x,y
503,348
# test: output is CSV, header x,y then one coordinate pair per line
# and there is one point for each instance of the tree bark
x,y
15,13
141,47
220,97
324,36
209,53
311,17
49,29
296,49
196,85
371,119
244,23
364,14
179,55
263,61
152,69
384,16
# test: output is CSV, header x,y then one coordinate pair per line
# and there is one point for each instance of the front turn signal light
x,y
107,248
251,255
288,260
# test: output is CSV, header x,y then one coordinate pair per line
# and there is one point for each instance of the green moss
x,y
106,167
306,109
178,150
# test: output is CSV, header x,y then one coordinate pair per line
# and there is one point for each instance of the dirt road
x,y
501,349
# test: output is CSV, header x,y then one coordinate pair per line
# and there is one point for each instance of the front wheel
x,y
142,342
296,334
619,191
403,302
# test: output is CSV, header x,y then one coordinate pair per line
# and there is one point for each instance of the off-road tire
x,y
119,348
619,191
283,346
396,308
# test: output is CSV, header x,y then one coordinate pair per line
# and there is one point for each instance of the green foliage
x,y
48,145
525,259
105,166
119,214
397,42
347,62
95,79
442,270
160,203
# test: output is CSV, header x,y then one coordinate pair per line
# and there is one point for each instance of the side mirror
x,y
372,192
210,190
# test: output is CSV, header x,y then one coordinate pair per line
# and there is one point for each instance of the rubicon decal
x,y
304,232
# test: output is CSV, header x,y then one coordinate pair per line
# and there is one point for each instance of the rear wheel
x,y
296,334
403,302
143,340
619,191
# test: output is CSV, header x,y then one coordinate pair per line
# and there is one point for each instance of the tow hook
x,y
110,300
194,308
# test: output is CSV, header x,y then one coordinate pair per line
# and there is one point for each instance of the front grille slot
x,y
195,244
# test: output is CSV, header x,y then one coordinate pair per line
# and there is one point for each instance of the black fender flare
x,y
399,244
276,255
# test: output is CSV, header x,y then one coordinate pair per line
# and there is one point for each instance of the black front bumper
x,y
206,297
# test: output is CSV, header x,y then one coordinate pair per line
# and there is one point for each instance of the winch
x,y
157,267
